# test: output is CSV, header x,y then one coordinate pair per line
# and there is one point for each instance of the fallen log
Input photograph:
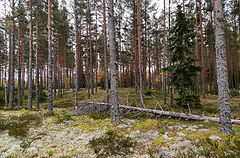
x,y
167,113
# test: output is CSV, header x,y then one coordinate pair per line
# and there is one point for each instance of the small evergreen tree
x,y
183,70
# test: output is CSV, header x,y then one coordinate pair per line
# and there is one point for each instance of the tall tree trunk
x,y
91,75
50,65
37,69
222,72
30,58
197,45
135,45
169,27
6,86
113,65
139,53
96,51
105,52
202,50
20,43
76,55
11,62
164,56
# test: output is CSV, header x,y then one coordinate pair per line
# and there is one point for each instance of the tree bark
x,y
20,53
169,27
37,69
164,56
30,58
50,65
76,55
105,52
222,72
140,53
113,65
11,61
202,50
161,113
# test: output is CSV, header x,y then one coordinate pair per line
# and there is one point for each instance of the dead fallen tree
x,y
96,107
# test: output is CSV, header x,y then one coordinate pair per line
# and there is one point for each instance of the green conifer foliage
x,y
181,44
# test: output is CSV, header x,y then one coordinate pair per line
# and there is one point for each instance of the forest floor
x,y
63,134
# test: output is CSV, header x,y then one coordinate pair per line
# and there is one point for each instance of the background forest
x,y
179,56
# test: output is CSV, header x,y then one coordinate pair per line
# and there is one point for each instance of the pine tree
x,y
222,71
50,60
113,65
105,52
183,69
30,72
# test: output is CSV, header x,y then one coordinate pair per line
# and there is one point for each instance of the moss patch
x,y
147,125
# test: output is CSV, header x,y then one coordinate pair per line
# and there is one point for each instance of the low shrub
x,y
18,126
18,129
64,103
2,97
189,101
25,144
3,124
63,117
43,96
229,147
111,144
99,116
109,131
148,92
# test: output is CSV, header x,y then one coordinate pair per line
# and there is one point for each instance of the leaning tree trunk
x,y
30,59
50,65
222,72
113,65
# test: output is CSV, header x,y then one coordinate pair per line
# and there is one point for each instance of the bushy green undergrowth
x,y
229,147
99,116
25,144
18,129
148,92
2,97
62,117
43,96
111,144
18,126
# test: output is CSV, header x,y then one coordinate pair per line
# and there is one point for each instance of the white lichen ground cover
x,y
155,138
